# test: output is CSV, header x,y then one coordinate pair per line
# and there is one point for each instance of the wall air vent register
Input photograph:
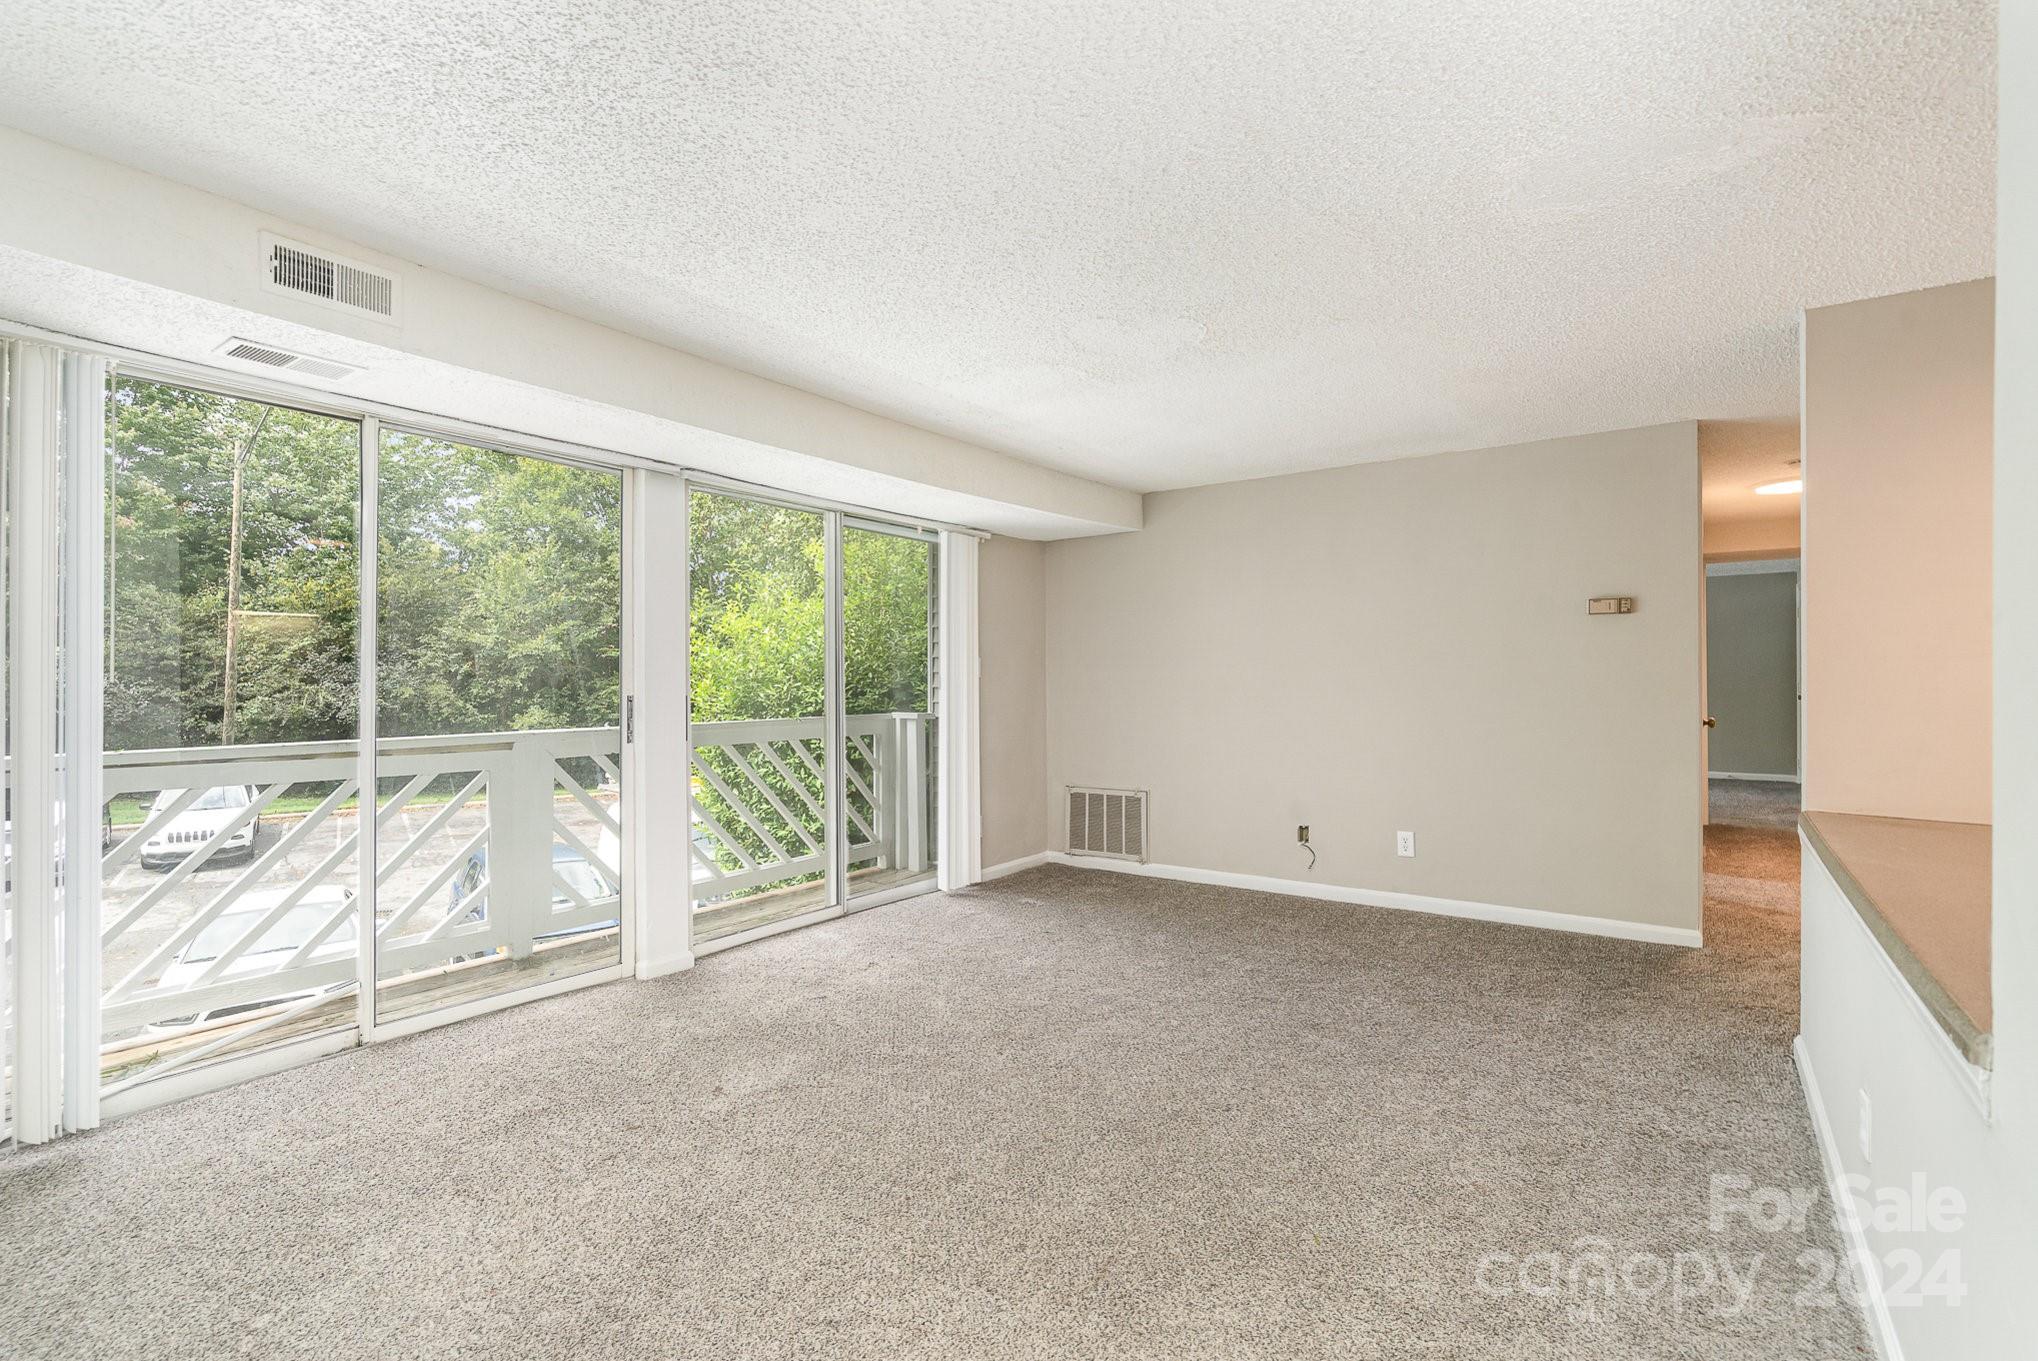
x,y
1108,822
302,271
286,361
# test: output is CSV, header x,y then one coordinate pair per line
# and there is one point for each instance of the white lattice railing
x,y
759,799
484,809
484,812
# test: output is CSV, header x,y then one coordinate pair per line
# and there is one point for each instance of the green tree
x,y
170,476
499,600
498,593
757,646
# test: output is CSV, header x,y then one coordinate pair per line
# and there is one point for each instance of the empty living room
x,y
1246,680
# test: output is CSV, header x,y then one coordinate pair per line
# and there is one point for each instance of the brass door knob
x,y
1711,722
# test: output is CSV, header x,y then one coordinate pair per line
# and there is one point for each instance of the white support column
x,y
832,724
520,845
960,825
84,575
658,778
909,789
884,768
34,372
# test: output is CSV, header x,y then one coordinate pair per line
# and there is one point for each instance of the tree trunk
x,y
233,584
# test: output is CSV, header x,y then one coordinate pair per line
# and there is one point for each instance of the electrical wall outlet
x,y
1866,1132
1302,834
1404,843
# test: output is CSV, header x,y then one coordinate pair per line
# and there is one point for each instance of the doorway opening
x,y
1752,746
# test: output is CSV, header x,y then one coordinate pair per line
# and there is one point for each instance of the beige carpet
x,y
1751,850
1071,1114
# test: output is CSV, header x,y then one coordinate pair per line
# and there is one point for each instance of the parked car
x,y
567,864
193,827
287,935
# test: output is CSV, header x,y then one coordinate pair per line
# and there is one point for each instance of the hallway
x,y
1751,850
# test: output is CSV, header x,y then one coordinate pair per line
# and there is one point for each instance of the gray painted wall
x,y
1404,645
1751,671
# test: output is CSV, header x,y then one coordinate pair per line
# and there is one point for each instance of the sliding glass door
x,y
293,823
498,754
757,673
234,916
813,658
889,739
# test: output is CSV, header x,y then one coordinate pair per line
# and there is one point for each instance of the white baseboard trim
x,y
1024,862
1860,1258
1750,775
1409,902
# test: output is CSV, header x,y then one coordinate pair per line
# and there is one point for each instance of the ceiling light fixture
x,y
1790,486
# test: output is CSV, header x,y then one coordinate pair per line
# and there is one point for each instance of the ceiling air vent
x,y
308,272
268,356
1108,822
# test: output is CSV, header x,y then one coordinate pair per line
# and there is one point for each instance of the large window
x,y
498,757
235,913
230,717
320,729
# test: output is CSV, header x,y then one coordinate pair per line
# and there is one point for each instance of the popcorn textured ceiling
x,y
1155,243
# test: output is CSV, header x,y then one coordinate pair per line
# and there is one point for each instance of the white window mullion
x,y
366,533
32,622
832,724
655,779
84,573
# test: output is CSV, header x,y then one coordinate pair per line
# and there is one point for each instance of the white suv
x,y
196,825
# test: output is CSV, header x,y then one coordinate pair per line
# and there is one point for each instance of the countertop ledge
x,y
1923,890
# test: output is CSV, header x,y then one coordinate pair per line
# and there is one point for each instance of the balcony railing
x,y
490,847
759,797
464,863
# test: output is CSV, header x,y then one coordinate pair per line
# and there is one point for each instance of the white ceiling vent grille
x,y
307,272
288,361
1108,822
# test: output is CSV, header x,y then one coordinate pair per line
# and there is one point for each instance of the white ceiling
x,y
1155,244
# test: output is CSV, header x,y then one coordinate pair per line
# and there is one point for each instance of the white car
x,y
195,826
284,938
